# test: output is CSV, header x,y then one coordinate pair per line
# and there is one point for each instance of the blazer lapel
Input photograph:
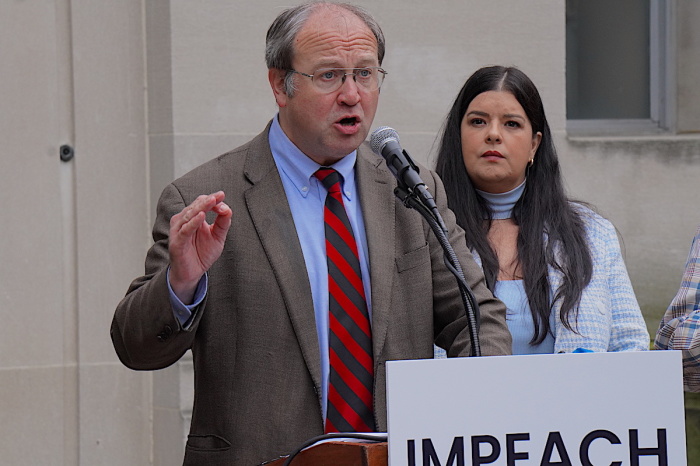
x,y
269,210
376,185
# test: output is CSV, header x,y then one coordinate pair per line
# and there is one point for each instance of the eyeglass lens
x,y
330,79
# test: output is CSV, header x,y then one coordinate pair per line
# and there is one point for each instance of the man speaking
x,y
288,267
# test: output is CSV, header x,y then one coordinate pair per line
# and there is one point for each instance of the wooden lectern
x,y
340,454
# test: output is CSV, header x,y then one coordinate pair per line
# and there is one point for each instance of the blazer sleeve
x,y
145,332
451,332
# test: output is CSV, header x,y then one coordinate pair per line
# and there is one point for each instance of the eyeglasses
x,y
330,79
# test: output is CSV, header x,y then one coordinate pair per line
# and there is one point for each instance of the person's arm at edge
x,y
680,325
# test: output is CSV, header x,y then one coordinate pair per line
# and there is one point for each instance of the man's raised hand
x,y
194,244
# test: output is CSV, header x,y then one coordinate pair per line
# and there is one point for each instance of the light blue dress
x,y
519,318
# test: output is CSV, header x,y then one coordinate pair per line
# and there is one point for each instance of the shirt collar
x,y
300,169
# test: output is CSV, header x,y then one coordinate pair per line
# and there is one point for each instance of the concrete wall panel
x,y
112,200
32,411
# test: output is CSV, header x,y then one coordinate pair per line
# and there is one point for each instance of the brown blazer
x,y
253,340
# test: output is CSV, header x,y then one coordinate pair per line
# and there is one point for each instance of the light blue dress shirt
x,y
306,197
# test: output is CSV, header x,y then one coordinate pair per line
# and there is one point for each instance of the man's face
x,y
328,126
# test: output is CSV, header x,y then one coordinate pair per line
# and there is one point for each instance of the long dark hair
x,y
551,230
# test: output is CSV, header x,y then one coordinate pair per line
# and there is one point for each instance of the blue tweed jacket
x,y
609,318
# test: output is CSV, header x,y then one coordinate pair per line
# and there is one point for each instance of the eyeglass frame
x,y
345,75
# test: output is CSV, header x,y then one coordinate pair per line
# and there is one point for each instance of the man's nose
x,y
349,92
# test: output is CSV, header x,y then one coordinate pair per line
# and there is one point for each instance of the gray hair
x,y
279,43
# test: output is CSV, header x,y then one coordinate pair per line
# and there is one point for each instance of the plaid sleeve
x,y
680,325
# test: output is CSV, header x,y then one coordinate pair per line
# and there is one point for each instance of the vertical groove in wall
x,y
159,95
165,448
71,373
144,33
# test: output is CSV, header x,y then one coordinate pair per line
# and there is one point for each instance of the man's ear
x,y
276,78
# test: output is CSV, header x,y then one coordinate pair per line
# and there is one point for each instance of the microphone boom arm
x,y
414,194
434,219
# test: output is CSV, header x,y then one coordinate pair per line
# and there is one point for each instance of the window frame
x,y
661,78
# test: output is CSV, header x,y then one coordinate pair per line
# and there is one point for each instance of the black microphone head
x,y
380,137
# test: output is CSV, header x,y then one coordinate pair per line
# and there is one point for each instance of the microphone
x,y
414,194
385,143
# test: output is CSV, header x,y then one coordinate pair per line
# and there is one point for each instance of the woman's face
x,y
497,141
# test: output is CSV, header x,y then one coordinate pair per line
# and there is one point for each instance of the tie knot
x,y
329,178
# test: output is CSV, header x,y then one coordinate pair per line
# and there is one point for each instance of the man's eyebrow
x,y
332,64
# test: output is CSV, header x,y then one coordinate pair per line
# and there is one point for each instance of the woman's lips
x,y
492,155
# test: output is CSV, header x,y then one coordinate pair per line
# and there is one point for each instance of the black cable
x,y
451,261
311,441
452,264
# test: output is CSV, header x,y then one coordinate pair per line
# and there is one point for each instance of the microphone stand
x,y
410,199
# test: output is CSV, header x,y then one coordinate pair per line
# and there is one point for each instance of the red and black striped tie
x,y
350,407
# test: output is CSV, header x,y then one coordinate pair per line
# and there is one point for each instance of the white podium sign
x,y
583,409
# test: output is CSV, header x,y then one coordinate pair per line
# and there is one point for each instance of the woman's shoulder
x,y
592,220
599,230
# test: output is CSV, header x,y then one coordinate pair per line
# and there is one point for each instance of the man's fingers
x,y
222,210
222,221
219,196
203,203
188,227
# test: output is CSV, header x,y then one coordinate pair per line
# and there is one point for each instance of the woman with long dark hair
x,y
555,263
